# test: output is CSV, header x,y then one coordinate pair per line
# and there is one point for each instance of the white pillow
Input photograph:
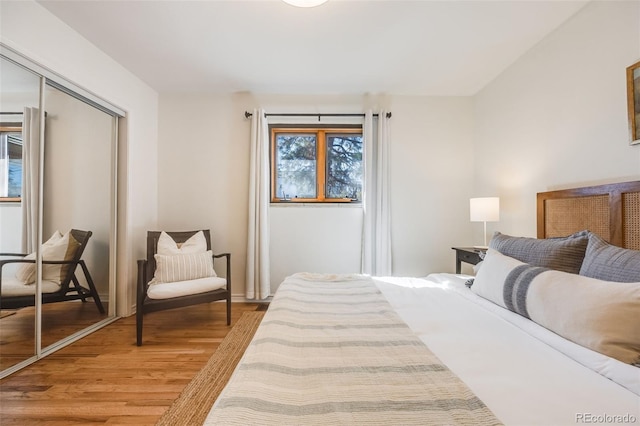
x,y
58,247
490,278
600,315
197,243
183,267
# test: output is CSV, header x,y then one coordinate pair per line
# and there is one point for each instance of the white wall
x,y
432,177
11,238
203,168
557,118
324,239
30,29
203,182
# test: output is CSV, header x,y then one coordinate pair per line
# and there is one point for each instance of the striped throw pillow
x,y
183,267
600,315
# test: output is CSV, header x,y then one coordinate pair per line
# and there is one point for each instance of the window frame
x,y
321,159
6,130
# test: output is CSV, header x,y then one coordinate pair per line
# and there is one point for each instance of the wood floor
x,y
106,379
59,320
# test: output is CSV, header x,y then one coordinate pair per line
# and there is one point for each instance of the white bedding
x,y
524,373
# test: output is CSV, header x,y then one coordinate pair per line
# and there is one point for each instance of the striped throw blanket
x,y
331,350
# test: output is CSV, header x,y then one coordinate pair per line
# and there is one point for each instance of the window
x,y
10,166
316,164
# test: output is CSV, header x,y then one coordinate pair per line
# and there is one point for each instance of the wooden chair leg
x,y
229,310
78,288
139,327
92,286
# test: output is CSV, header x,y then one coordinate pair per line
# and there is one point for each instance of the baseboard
x,y
243,299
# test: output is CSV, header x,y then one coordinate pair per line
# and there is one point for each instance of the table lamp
x,y
484,209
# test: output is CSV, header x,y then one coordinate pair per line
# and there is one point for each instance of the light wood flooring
x,y
106,379
59,320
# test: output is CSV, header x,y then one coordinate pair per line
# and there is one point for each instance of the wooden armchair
x,y
162,283
16,294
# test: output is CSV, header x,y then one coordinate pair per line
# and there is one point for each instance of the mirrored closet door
x,y
57,204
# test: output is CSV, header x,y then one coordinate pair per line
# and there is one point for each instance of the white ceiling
x,y
423,47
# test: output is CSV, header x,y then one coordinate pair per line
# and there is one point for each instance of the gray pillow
x,y
610,263
562,254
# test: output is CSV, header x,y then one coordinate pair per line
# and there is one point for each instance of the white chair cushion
x,y
185,288
14,287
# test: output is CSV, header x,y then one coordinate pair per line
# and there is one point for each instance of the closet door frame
x,y
50,78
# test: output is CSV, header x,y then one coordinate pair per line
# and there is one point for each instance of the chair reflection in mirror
x,y
61,256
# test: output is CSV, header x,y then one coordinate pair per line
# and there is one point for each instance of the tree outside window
x,y
316,164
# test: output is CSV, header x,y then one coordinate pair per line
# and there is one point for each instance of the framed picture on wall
x,y
633,102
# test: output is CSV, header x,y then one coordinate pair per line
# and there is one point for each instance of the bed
x,y
546,333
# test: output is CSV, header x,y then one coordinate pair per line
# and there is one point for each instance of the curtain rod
x,y
248,114
17,113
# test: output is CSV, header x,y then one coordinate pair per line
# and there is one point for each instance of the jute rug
x,y
195,401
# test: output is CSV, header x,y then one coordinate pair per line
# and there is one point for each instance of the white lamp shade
x,y
305,3
484,209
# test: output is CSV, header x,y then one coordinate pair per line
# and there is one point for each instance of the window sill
x,y
285,204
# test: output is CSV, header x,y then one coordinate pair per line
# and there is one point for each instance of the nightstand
x,y
469,255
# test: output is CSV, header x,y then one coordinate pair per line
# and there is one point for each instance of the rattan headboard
x,y
612,211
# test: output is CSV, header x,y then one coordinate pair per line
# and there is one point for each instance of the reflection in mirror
x,y
57,200
77,196
19,93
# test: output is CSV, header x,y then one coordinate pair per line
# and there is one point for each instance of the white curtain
x,y
30,177
258,284
376,233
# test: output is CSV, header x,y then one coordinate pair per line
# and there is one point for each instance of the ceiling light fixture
x,y
305,3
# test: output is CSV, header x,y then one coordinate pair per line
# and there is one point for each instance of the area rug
x,y
195,401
